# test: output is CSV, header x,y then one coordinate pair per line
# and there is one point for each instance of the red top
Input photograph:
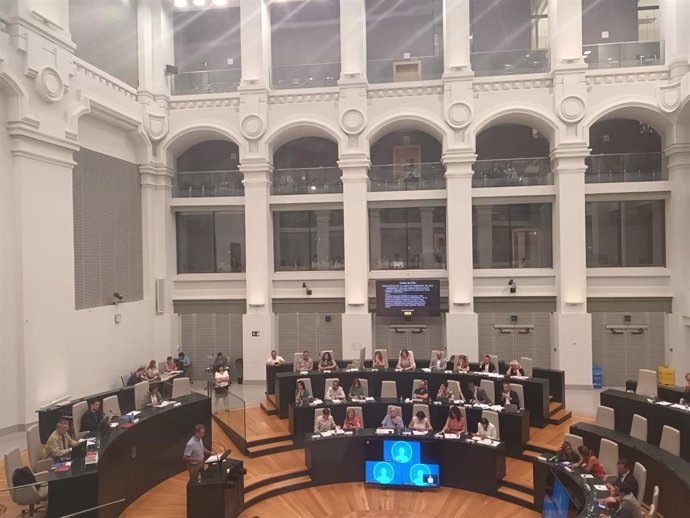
x,y
455,425
597,469
352,423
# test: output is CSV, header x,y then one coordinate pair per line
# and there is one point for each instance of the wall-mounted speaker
x,y
160,296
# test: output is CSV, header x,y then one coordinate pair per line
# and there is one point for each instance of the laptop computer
x,y
511,409
78,452
306,401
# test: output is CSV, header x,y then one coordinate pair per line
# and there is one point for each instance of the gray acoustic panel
x,y
108,249
511,344
421,344
297,332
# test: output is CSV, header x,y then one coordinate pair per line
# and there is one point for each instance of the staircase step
x,y
519,475
560,417
283,486
268,406
555,406
516,496
268,438
274,477
272,447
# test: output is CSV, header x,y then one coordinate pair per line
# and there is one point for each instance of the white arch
x,y
544,123
299,128
420,121
184,137
18,99
636,109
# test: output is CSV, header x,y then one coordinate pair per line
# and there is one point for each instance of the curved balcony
x,y
512,172
201,184
206,81
626,167
316,75
510,62
311,180
407,177
624,54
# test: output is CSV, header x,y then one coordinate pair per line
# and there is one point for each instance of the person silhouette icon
x,y
383,476
401,455
419,478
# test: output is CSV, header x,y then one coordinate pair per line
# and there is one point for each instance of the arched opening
x,y
209,168
306,165
405,160
624,150
511,155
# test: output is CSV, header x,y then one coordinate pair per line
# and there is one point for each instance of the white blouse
x,y
222,378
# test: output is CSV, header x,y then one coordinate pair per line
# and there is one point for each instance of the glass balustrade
x,y
200,184
625,167
407,177
512,172
624,54
313,180
230,410
206,81
404,69
510,62
305,76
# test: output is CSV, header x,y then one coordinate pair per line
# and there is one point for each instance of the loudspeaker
x,y
160,296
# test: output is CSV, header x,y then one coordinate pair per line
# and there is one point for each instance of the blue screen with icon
x,y
402,463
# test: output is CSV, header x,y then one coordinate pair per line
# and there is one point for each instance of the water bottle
x,y
198,478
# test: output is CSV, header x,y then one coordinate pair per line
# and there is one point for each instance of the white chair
x,y
318,412
365,385
608,456
37,453
520,391
111,407
492,417
670,439
463,413
574,440
456,360
640,474
443,359
423,407
389,390
78,411
490,389
161,367
180,388
606,417
655,502
358,413
646,383
454,387
140,390
527,365
638,429
25,496
295,358
384,353
307,385
494,360
328,383
397,409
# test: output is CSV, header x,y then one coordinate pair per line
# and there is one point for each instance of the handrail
x,y
237,69
620,43
5,490
94,508
508,50
209,172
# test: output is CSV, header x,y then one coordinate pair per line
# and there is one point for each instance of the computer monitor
x,y
402,463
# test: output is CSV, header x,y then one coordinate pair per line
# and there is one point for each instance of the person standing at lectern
x,y
195,452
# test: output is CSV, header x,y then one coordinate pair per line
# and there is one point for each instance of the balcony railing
x,y
510,62
305,76
201,184
407,177
626,167
512,172
314,180
624,54
206,81
404,69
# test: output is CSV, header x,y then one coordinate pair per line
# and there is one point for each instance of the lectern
x,y
220,493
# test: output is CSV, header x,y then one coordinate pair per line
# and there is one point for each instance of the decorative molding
x,y
459,115
571,108
626,77
49,85
253,126
155,125
495,85
323,97
156,176
106,79
668,97
218,102
29,142
353,121
403,91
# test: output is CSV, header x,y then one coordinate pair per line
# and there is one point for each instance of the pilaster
x,y
456,37
256,43
353,41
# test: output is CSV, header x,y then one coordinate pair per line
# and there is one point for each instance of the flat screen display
x,y
408,298
562,498
402,463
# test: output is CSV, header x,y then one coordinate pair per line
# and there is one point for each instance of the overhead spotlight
x,y
220,3
181,4
199,3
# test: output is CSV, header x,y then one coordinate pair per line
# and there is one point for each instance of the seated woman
x,y
378,362
152,371
153,397
356,389
443,391
405,361
301,392
455,422
420,422
351,420
515,369
590,463
463,364
486,430
170,365
325,422
567,454
327,362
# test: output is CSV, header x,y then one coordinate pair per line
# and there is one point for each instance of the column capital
x,y
29,142
256,171
569,158
459,164
156,176
677,150
355,169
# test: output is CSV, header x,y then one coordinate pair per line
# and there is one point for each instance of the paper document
x,y
383,431
213,458
451,436
600,487
133,413
418,432
426,369
329,433
663,403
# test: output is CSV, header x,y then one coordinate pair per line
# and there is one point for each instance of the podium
x,y
220,494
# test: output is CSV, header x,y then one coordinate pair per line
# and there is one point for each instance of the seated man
x,y
274,359
509,397
137,376
325,422
335,392
93,417
421,393
438,362
486,365
60,443
624,503
477,395
625,476
304,363
393,420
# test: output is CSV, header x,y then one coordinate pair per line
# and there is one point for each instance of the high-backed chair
x,y
358,413
318,412
646,383
670,439
640,474
415,384
295,358
490,389
443,359
454,387
78,411
25,496
326,351
307,384
520,391
638,429
494,360
389,389
463,413
423,407
574,440
527,365
161,367
37,453
327,385
398,409
111,406
365,385
608,456
140,390
180,388
655,502
605,417
492,417
384,353
456,360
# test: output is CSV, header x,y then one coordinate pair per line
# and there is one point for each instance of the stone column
x,y
565,33
353,40
456,36
674,16
256,43
155,45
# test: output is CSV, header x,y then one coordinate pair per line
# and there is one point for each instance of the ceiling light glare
x,y
199,3
220,3
181,4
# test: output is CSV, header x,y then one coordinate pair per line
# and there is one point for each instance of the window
x,y
626,233
407,239
512,236
210,242
308,240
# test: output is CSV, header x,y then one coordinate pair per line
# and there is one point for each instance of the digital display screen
x,y
402,463
563,498
557,504
408,298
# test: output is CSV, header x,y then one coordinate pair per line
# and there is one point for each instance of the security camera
x,y
117,298
513,286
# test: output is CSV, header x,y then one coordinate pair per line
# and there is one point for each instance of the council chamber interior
x,y
345,258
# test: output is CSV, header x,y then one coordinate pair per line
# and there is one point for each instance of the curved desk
x,y
131,461
514,428
463,464
536,389
668,471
